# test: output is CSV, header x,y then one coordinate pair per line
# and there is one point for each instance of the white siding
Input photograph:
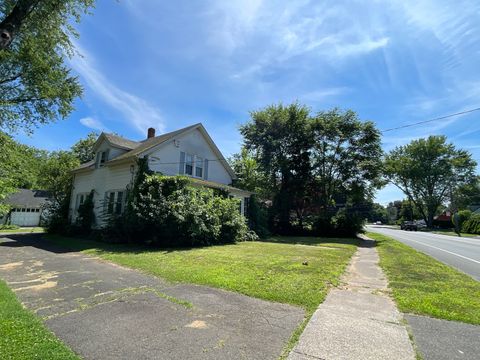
x,y
101,180
166,159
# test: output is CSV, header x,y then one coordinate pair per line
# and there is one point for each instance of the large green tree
x,y
83,148
280,140
36,87
428,171
345,155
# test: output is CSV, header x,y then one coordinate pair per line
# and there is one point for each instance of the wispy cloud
x,y
94,124
136,111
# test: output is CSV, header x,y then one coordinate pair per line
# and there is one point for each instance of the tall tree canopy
x,y
281,141
83,148
36,87
428,171
345,153
312,164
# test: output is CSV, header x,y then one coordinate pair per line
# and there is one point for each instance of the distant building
x,y
27,207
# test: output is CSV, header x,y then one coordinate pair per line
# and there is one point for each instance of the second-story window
x,y
199,167
102,158
189,164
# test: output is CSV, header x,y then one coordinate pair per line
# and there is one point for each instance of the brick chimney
x,y
151,133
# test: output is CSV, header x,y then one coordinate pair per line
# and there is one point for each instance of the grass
x,y
23,335
270,270
20,229
422,285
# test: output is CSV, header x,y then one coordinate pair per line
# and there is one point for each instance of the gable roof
x,y
137,148
116,141
30,198
151,143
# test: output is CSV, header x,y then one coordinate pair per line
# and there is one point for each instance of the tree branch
x,y
10,26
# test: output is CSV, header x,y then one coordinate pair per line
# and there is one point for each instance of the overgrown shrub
x,y
344,223
86,216
472,225
460,217
56,218
169,211
258,217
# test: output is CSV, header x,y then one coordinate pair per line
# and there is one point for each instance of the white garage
x,y
27,207
25,216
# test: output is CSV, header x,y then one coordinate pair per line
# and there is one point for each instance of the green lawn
x,y
270,270
22,334
22,230
425,286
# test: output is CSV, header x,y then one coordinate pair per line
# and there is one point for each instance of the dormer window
x,y
102,157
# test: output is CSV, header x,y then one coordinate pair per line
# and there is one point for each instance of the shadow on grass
x,y
310,240
62,244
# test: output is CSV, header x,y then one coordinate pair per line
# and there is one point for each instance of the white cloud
x,y
136,111
94,124
320,95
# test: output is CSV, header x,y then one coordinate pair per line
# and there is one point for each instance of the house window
x,y
189,164
102,158
194,166
80,200
199,167
246,205
115,202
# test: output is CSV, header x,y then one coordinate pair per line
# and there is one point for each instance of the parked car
x,y
378,223
408,226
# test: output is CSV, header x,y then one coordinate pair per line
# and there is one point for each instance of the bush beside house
x,y
169,211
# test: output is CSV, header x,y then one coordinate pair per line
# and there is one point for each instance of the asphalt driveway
x,y
104,311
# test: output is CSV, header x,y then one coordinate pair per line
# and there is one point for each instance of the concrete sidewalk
x,y
358,321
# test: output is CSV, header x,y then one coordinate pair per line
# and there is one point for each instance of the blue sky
x,y
169,64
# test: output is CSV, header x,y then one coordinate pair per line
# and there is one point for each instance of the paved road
x,y
105,311
460,252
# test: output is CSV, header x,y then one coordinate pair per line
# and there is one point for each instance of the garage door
x,y
25,217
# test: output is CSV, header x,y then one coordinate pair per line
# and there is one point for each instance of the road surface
x,y
460,252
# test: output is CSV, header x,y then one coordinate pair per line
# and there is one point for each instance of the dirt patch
x,y
45,285
11,266
197,324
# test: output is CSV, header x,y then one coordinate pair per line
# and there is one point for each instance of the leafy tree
x,y
57,178
345,157
83,149
466,195
246,168
19,167
377,212
36,87
280,140
56,174
428,171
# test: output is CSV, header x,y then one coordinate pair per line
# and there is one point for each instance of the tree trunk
x,y
10,26
431,214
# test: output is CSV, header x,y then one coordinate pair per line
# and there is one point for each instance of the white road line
x,y
464,257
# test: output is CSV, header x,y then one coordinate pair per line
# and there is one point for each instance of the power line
x,y
431,120
155,161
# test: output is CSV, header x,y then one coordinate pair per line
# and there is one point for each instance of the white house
x,y
189,151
